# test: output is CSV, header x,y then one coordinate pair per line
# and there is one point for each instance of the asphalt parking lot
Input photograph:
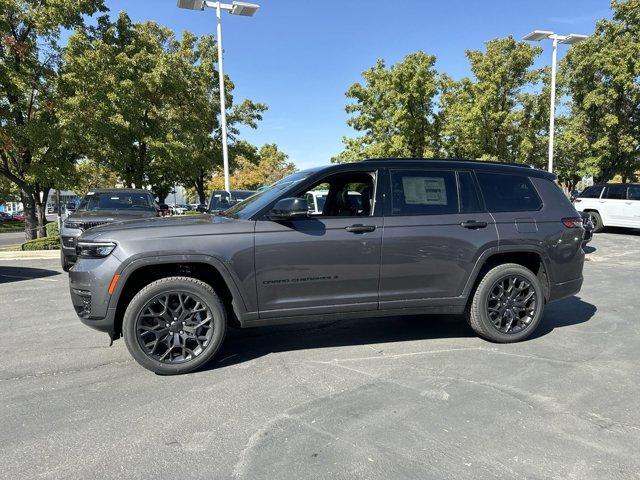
x,y
413,397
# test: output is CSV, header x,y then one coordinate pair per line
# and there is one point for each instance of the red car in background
x,y
18,216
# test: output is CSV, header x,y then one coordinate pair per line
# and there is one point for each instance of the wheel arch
x,y
142,271
532,259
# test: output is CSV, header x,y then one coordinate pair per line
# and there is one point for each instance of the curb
x,y
30,255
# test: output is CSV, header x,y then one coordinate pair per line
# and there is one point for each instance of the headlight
x,y
72,224
94,249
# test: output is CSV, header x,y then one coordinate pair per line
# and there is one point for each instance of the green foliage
x,y
35,152
157,103
52,229
257,169
46,243
90,175
601,135
494,114
11,226
394,109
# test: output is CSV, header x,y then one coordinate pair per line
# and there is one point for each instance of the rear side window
x,y
469,201
508,193
423,192
634,192
616,192
592,192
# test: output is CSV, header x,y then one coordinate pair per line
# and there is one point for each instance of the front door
x,y
327,262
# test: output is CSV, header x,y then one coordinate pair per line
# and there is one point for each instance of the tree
x,y
8,191
89,175
198,153
34,152
602,77
158,102
395,110
119,88
267,167
496,114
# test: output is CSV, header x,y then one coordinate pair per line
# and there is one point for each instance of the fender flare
x,y
134,263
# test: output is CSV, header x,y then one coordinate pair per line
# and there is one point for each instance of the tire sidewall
x,y
596,219
169,285
492,333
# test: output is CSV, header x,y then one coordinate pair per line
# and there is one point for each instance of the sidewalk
x,y
29,255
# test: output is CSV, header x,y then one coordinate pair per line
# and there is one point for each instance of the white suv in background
x,y
611,205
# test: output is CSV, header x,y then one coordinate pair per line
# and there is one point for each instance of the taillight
x,y
572,222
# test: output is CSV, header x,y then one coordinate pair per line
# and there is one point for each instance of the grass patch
x,y
11,226
47,243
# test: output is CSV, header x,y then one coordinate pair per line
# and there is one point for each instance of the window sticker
x,y
424,190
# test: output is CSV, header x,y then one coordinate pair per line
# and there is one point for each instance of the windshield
x,y
117,201
257,201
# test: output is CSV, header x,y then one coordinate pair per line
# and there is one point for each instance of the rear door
x,y
632,206
435,227
614,210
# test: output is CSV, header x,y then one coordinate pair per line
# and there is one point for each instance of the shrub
x,y
52,229
47,243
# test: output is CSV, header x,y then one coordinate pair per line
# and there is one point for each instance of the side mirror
x,y
289,208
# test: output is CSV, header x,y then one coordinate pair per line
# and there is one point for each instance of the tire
x,y
478,312
64,262
596,219
156,304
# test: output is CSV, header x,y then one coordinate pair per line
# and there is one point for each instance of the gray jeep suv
x,y
492,241
99,207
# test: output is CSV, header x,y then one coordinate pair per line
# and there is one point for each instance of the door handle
x,y
360,228
473,224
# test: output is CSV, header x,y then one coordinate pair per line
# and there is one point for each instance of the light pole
x,y
536,36
243,9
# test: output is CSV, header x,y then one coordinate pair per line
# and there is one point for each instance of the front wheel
x,y
174,325
507,305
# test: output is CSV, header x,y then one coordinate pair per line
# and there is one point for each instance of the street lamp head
x,y
191,4
244,9
574,38
537,35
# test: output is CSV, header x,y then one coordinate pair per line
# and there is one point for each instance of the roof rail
x,y
496,162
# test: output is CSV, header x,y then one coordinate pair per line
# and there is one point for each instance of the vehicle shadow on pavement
x,y
244,345
20,274
564,313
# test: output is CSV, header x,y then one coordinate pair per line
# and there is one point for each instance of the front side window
x,y
349,194
505,192
423,192
592,192
616,192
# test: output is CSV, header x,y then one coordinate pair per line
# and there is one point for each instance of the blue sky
x,y
299,57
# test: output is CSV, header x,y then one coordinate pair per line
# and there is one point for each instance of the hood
x,y
162,227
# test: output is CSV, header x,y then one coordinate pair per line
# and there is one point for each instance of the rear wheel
x,y
507,305
174,325
596,219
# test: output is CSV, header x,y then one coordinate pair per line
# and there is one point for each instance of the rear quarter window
x,y
505,192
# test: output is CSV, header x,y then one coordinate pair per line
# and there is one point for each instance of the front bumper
x,y
68,241
89,281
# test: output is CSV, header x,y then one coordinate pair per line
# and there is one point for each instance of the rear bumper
x,y
565,289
